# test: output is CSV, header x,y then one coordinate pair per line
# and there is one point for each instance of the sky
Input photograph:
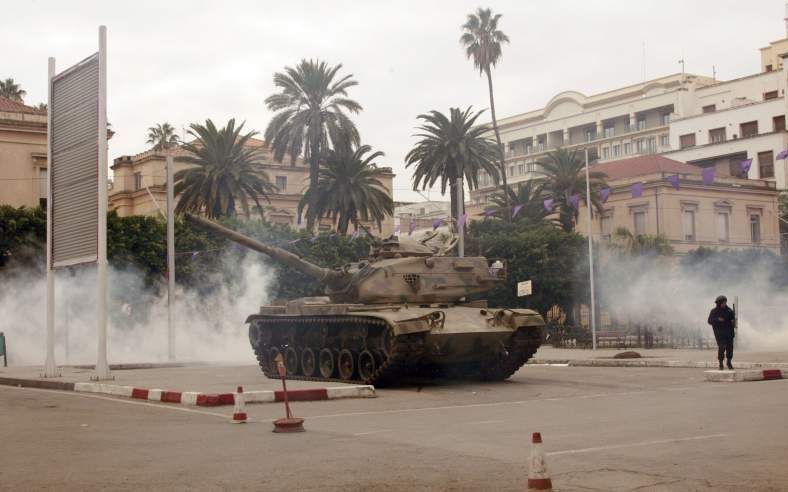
x,y
186,61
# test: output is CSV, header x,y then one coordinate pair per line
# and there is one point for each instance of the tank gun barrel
x,y
332,277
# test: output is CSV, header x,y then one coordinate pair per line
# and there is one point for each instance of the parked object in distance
x,y
403,312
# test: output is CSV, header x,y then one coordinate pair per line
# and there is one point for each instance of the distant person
x,y
722,320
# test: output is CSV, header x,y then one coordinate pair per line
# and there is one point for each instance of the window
x,y
749,129
137,181
766,164
641,123
779,123
688,220
664,118
755,228
531,167
520,168
639,218
664,141
768,68
687,140
710,108
723,226
605,152
717,135
590,135
770,95
281,183
42,183
616,150
609,131
627,148
639,145
627,126
511,171
652,144
606,224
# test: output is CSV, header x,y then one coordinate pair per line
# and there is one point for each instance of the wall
x,y
23,152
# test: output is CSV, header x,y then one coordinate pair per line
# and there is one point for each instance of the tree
x,y
349,189
641,244
162,136
530,197
482,40
450,149
226,172
564,176
311,116
11,90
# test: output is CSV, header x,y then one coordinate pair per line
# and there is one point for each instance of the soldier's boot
x,y
730,366
721,366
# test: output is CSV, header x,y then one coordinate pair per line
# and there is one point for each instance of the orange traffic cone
x,y
538,476
239,412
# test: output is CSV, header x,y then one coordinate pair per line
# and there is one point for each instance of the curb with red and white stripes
x,y
739,375
195,398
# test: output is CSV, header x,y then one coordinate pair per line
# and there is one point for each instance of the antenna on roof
x,y
644,60
714,73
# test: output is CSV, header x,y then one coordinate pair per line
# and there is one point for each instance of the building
x,y
23,154
422,213
139,186
731,212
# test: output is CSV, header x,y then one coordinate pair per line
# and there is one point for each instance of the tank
x,y
404,313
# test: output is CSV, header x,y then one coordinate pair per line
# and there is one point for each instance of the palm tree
x,y
482,41
627,243
311,116
162,136
564,176
530,196
226,172
450,149
349,189
11,90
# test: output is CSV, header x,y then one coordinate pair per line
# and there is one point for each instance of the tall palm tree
x,y
11,90
162,136
482,41
564,176
311,116
226,172
630,244
450,149
530,197
349,189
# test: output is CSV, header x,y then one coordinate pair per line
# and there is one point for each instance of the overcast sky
x,y
184,62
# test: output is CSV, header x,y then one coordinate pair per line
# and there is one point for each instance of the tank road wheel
x,y
367,365
308,363
327,364
273,353
291,360
347,364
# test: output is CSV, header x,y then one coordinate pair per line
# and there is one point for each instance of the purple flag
x,y
674,181
708,175
516,210
782,155
194,254
462,221
355,235
604,194
488,213
437,223
745,165
637,190
574,200
548,204
411,227
314,239
397,229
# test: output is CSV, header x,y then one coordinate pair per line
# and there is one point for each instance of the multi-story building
x,y
139,186
23,154
421,213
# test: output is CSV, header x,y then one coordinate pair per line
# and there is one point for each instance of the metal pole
x,y
170,260
50,368
460,233
102,368
590,256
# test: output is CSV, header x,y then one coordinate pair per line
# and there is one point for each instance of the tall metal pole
x,y
102,368
50,368
170,259
590,255
460,231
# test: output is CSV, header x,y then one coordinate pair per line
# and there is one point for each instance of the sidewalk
x,y
656,358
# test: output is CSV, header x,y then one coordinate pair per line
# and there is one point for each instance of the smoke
x,y
661,292
208,327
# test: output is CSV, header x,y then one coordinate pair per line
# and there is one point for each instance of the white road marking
x,y
486,422
371,432
634,445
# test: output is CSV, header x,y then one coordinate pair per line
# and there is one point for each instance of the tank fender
x,y
516,318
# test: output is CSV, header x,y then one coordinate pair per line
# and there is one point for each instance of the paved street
x,y
604,429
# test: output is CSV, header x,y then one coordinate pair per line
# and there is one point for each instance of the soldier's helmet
x,y
720,300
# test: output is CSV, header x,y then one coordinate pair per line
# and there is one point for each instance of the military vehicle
x,y
404,312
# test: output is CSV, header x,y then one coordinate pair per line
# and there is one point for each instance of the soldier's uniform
x,y
722,319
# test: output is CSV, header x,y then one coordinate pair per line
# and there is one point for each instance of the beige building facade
x,y
23,154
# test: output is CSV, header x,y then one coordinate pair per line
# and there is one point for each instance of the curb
x,y
653,363
737,375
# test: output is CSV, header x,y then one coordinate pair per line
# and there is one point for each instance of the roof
x,y
643,165
9,106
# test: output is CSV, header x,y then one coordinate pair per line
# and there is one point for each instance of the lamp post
x,y
590,255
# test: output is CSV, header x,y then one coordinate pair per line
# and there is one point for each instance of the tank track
x,y
401,357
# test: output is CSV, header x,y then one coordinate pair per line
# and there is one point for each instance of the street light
x,y
590,255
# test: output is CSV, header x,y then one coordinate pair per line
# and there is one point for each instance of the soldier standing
x,y
722,319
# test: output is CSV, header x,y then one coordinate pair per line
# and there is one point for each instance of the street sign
x,y
524,288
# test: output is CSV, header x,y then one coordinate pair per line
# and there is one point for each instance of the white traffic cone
x,y
239,412
538,476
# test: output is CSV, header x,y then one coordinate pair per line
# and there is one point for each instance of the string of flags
x,y
437,223
516,210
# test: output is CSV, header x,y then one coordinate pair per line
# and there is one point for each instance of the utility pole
x,y
590,255
50,368
170,258
460,206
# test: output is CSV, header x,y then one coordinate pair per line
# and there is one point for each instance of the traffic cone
x,y
239,412
538,476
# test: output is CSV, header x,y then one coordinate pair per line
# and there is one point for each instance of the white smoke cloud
x,y
208,328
